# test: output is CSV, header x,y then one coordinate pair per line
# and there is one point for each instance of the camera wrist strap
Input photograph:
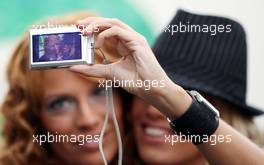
x,y
110,109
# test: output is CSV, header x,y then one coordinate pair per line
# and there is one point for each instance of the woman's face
x,y
74,107
66,48
150,130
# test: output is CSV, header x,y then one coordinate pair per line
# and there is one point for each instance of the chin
x,y
153,157
87,158
149,157
88,161
179,154
83,155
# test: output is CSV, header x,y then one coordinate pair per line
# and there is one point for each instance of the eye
x,y
98,92
97,97
62,103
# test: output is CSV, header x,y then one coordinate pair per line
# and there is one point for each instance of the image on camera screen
x,y
57,47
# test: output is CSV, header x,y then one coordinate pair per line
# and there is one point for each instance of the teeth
x,y
152,131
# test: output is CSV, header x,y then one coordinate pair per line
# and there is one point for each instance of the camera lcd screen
x,y
57,47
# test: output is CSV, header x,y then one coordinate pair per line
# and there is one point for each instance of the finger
x,y
101,24
101,20
115,31
84,22
96,70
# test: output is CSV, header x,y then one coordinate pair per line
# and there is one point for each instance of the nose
x,y
153,113
86,118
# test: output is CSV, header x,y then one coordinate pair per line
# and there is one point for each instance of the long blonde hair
x,y
22,103
242,123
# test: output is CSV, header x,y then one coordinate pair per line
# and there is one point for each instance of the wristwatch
x,y
199,121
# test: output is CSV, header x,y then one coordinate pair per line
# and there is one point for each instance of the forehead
x,y
63,80
52,38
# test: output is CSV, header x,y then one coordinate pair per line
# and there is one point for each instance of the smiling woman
x,y
42,103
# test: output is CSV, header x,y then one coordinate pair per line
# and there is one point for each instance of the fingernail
x,y
77,67
86,32
74,68
80,21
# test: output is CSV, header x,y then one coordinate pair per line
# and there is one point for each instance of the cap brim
x,y
191,84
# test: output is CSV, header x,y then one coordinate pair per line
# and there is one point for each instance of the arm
x,y
139,63
239,151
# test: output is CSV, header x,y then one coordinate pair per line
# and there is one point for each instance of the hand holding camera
x,y
74,46
137,63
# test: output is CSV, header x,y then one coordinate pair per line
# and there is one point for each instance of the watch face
x,y
201,99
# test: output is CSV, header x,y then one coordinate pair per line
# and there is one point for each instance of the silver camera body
x,y
59,47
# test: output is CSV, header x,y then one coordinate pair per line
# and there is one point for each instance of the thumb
x,y
96,70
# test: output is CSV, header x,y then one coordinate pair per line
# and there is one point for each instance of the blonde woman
x,y
56,102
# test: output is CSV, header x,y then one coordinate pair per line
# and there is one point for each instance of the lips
x,y
91,144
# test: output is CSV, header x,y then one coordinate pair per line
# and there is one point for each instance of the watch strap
x,y
197,122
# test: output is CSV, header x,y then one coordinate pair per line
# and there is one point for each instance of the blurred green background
x,y
17,15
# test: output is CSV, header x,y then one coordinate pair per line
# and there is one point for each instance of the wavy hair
x,y
22,103
20,109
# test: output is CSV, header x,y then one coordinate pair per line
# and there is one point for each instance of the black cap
x,y
213,62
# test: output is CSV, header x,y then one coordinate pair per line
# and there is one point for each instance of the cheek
x,y
57,123
137,113
138,109
118,111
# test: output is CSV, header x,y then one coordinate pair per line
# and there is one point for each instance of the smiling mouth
x,y
154,131
154,134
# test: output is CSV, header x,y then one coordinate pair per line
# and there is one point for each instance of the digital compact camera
x,y
59,47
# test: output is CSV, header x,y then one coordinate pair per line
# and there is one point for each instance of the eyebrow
x,y
53,96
